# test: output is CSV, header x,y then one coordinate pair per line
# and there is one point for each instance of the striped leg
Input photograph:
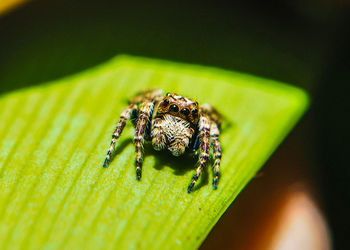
x,y
214,136
145,112
126,115
204,144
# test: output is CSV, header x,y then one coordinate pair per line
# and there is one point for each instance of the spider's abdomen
x,y
171,132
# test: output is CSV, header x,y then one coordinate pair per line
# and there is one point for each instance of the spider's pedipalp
x,y
159,139
214,137
204,145
124,117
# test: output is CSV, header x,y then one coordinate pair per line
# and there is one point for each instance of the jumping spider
x,y
175,123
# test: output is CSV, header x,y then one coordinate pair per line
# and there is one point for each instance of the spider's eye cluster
x,y
174,108
166,102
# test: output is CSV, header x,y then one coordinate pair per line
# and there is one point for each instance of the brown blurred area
x,y
279,208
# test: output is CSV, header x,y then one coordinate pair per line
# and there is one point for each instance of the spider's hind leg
x,y
215,123
124,117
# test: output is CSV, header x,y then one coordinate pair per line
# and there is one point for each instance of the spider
x,y
175,123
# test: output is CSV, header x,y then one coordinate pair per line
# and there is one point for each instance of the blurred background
x,y
300,198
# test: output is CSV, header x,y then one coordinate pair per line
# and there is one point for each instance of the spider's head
x,y
175,122
181,107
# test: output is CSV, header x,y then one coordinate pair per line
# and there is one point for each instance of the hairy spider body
x,y
175,123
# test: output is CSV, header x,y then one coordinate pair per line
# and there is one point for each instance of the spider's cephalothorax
x,y
175,123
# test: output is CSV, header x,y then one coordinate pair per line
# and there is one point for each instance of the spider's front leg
x,y
144,116
214,137
204,145
124,117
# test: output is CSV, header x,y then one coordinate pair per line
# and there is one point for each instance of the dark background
x,y
304,42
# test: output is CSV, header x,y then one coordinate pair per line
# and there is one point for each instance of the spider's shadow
x,y
181,164
120,148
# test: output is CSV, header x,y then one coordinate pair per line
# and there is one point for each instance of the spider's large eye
x,y
185,112
174,108
194,112
166,102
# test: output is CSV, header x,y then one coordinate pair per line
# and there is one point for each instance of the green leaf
x,y
55,193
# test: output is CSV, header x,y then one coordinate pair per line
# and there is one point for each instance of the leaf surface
x,y
54,192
